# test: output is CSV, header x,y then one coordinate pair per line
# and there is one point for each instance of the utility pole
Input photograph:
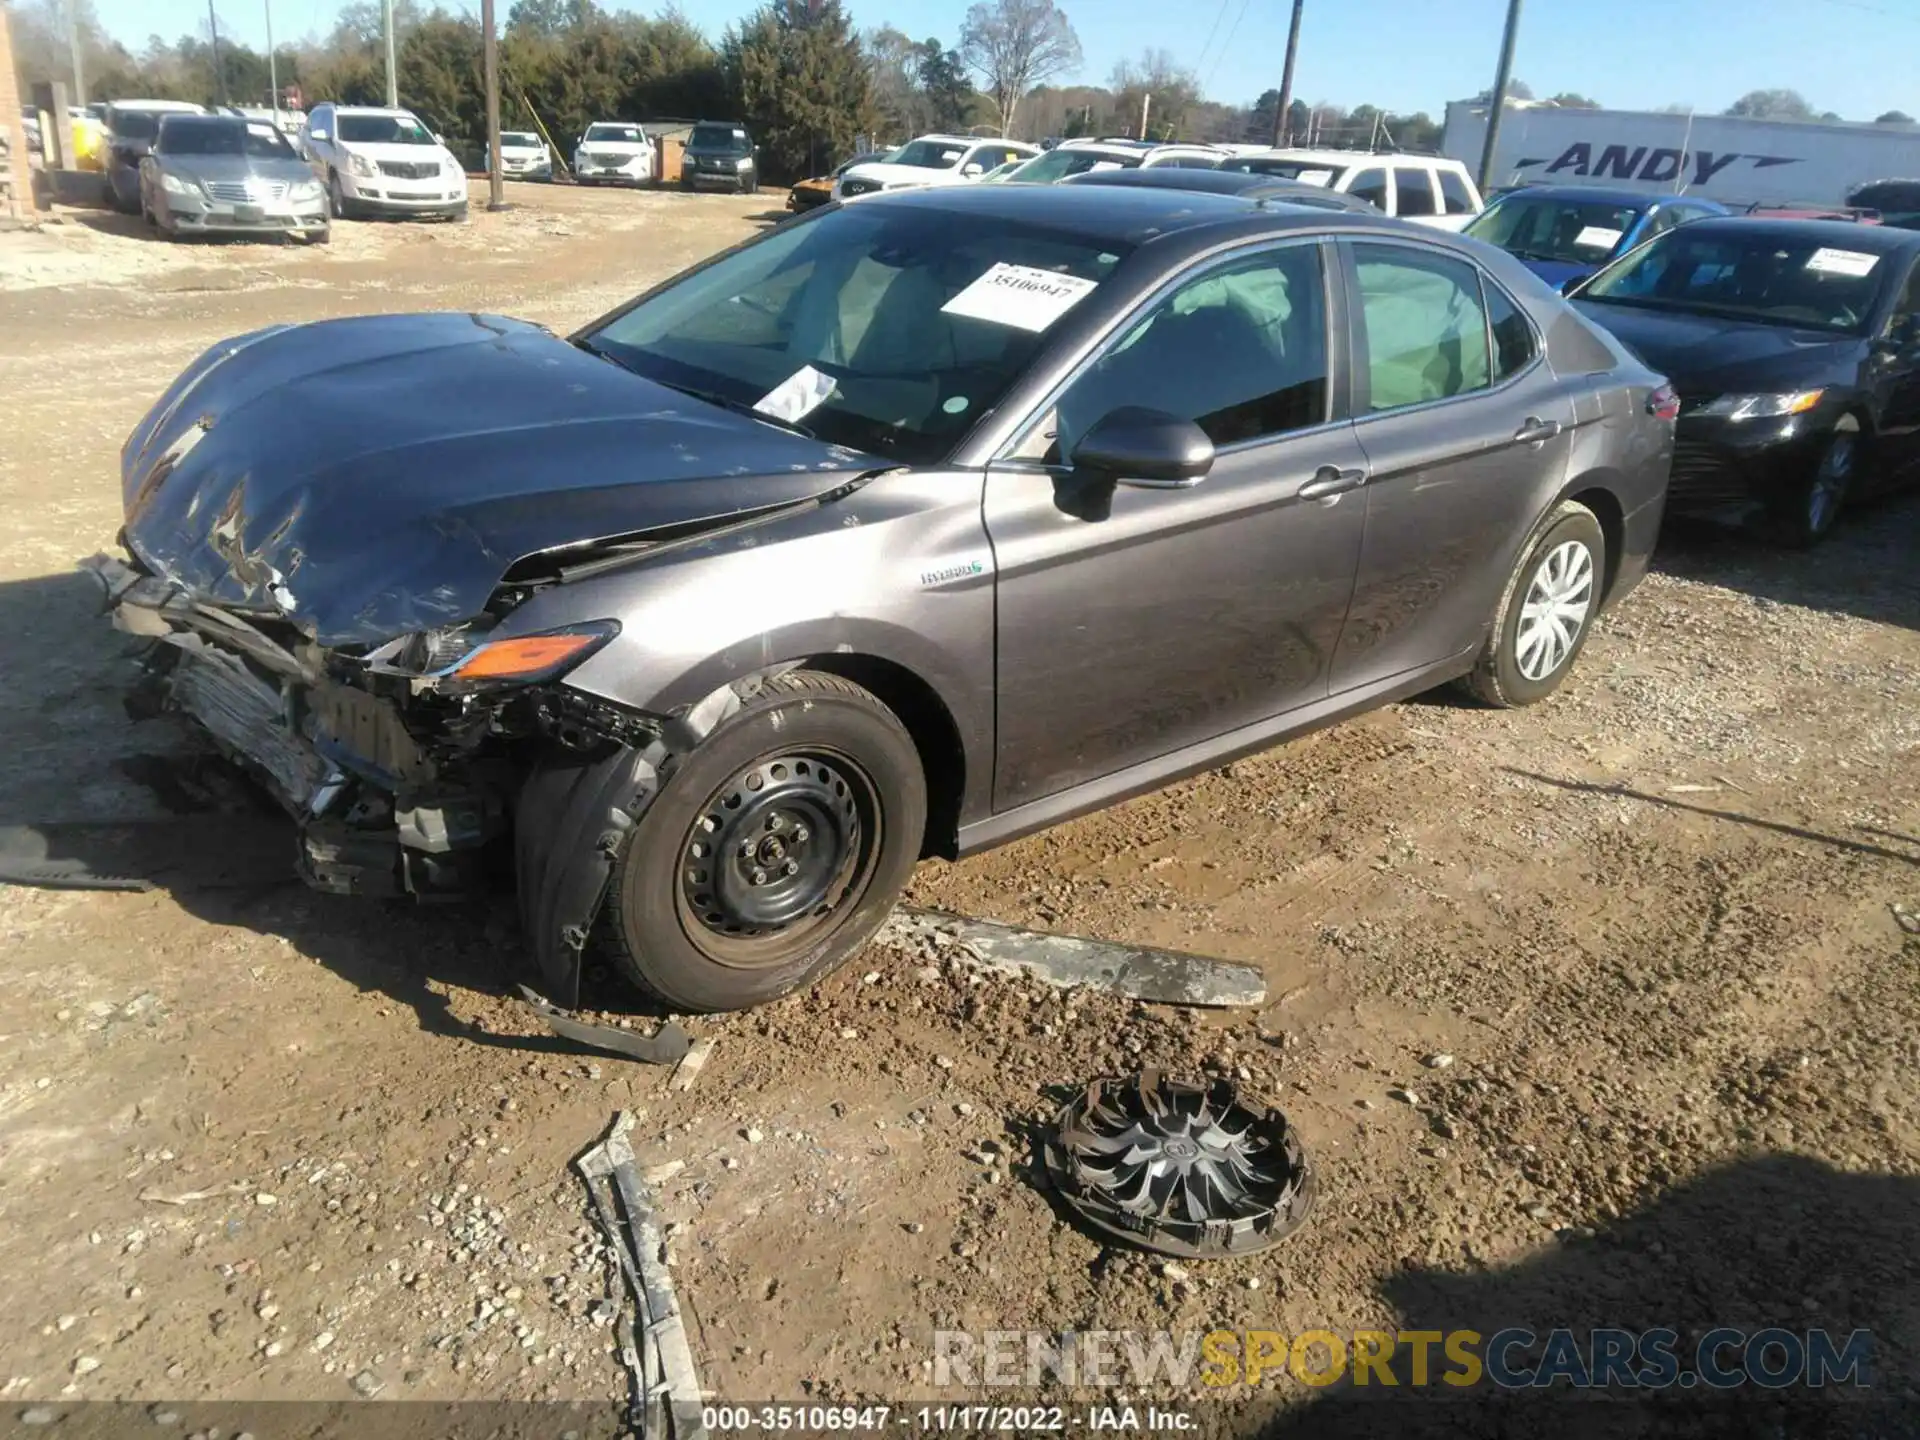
x,y
1499,102
1280,118
393,79
1146,104
219,70
491,65
273,69
73,44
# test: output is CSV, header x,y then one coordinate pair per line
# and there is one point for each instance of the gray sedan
x,y
225,175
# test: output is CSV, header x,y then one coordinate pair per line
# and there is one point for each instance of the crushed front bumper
x,y
377,815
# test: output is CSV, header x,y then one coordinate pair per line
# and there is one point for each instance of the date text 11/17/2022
x,y
943,1419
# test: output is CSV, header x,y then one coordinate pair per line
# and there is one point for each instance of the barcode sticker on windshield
x,y
1020,296
1597,237
795,397
260,127
1106,165
1315,177
1853,263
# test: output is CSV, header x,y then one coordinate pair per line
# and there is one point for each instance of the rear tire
x,y
774,852
1546,612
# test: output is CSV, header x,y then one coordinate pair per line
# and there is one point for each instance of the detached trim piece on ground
x,y
665,1399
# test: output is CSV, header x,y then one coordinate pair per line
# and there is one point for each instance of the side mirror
x,y
1148,448
1573,283
318,135
975,169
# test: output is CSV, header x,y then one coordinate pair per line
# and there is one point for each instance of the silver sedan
x,y
226,175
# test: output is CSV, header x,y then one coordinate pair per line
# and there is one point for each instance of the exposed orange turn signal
x,y
525,657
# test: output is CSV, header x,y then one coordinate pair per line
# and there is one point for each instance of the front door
x,y
1894,371
1467,435
1134,621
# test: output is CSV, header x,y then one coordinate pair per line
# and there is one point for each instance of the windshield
x,y
194,136
613,134
520,140
383,130
1308,172
1760,276
931,154
718,137
1058,164
135,124
886,330
1557,228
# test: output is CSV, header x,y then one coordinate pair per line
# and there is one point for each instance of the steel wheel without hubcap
x,y
1559,599
773,854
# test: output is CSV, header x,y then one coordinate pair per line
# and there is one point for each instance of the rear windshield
x,y
196,135
1562,229
1058,164
136,124
717,137
1810,284
1308,172
383,130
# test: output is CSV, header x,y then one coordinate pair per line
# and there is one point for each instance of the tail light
x,y
1664,403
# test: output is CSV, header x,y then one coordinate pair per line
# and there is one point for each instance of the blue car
x,y
1565,233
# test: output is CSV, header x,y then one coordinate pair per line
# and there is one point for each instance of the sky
x,y
1850,56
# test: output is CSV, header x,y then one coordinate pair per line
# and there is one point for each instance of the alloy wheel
x,y
1559,600
1831,480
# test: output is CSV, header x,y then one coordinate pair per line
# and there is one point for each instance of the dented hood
x,y
374,476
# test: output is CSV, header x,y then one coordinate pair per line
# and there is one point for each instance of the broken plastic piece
x,y
665,1046
1180,1168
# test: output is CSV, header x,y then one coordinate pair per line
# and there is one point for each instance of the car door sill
x,y
1164,770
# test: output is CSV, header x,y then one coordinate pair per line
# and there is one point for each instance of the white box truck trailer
x,y
1737,162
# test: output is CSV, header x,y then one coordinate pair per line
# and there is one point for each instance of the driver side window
x,y
1240,350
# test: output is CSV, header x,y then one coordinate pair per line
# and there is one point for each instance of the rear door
x,y
1466,433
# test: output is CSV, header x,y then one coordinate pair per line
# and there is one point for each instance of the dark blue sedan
x,y
1566,232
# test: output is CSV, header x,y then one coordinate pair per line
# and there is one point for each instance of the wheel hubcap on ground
x,y
773,854
1830,483
1559,598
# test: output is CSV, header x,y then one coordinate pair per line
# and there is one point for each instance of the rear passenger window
x,y
1453,193
1514,343
1416,192
1371,186
1425,328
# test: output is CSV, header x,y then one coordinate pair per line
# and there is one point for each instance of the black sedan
x,y
1795,346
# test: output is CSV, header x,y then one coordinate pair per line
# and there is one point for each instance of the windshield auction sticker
x,y
797,396
1020,296
1854,263
1597,237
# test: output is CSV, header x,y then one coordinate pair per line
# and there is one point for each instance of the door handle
x,y
1327,482
1536,431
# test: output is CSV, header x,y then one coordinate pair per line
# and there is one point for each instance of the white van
x,y
1426,189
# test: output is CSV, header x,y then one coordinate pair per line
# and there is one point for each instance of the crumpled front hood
x,y
375,476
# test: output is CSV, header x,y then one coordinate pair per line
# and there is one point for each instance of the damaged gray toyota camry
x,y
907,528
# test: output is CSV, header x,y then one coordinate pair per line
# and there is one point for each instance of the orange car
x,y
819,190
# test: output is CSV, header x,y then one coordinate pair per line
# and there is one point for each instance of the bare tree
x,y
1014,45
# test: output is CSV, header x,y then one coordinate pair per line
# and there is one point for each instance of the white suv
x,y
1077,157
1426,189
931,160
382,162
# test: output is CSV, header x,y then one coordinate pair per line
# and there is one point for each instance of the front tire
x,y
1808,513
336,197
1545,613
774,852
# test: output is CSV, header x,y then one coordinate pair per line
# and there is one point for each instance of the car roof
x,y
1604,194
1136,214
1246,184
1841,234
395,110
1354,157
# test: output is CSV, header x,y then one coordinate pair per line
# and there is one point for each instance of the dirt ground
x,y
1656,924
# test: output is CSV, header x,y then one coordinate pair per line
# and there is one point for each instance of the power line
x,y
1218,16
1226,46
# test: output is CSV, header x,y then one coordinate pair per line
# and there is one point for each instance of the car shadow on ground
x,y
1778,1242
1869,567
